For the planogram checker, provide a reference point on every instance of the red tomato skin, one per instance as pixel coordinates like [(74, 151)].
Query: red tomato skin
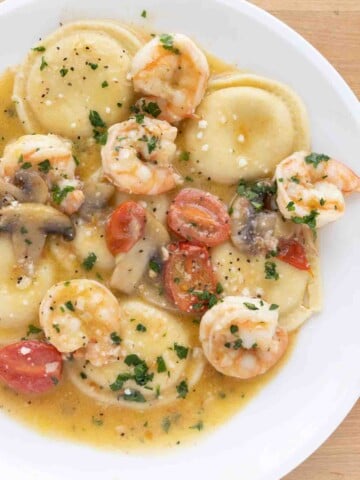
[(292, 252), (23, 366), (199, 217), (125, 227), (189, 255)]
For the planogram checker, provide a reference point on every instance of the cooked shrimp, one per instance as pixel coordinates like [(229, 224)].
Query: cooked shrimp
[(52, 157), (137, 156), (241, 337), (82, 317), (313, 185), (174, 72)]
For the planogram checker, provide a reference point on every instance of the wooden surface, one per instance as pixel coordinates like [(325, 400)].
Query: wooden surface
[(333, 27)]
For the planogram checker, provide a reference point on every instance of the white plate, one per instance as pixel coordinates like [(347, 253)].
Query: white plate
[(312, 394)]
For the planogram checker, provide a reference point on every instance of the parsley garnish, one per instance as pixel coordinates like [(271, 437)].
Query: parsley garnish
[(167, 42), (166, 424), (270, 271), (100, 137), (273, 306), (96, 120), (33, 330), (207, 298), (234, 329), (89, 261), (219, 288), (151, 144), (23, 230), (59, 194), (315, 158), (139, 118), (184, 156), (26, 165), (63, 71), (104, 84), (97, 421), (152, 108), (182, 389), (295, 179), (43, 64), (256, 193), (154, 266), (134, 396), (251, 306), (40, 48), (115, 338), (198, 426), (69, 305), (119, 382), (290, 206), (181, 351), (144, 13), (322, 201), (140, 327), (161, 365), (56, 327), (93, 66), (189, 179), (309, 220), (44, 166)]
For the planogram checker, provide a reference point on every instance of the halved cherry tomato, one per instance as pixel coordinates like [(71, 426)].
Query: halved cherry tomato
[(125, 227), (199, 217), (189, 277), (30, 366), (292, 252)]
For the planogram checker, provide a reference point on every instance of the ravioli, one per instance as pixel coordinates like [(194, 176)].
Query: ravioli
[(161, 341), (248, 125), (83, 66)]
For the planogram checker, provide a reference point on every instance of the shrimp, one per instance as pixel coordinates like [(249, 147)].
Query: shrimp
[(52, 157), (311, 186), (173, 72), (137, 156), (241, 337), (82, 316)]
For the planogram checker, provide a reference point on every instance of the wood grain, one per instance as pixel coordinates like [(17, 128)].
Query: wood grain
[(333, 27)]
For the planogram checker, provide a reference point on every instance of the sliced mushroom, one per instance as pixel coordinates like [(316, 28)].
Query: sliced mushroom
[(97, 197), (253, 232), (131, 266), (29, 224), (27, 186)]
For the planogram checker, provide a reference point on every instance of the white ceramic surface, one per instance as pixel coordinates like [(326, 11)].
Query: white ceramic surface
[(301, 407)]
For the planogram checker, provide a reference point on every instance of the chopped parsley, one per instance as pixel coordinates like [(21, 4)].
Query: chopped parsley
[(93, 66), (151, 144), (251, 306), (33, 330), (56, 327), (44, 166), (24, 230), (315, 158), (100, 137), (115, 338), (167, 42), (63, 72), (59, 194), (26, 165), (295, 179), (230, 210), (290, 206), (198, 426), (140, 327), (273, 306), (166, 424), (104, 84), (322, 201), (89, 261), (188, 179), (133, 396), (182, 389), (219, 288), (69, 305), (119, 382), (234, 329), (309, 220), (97, 421), (96, 120), (141, 375), (43, 64), (154, 266), (152, 108), (207, 299), (83, 375), (256, 193), (184, 156), (40, 48), (144, 13), (270, 271), (235, 345), (139, 118), (161, 365), (181, 351)]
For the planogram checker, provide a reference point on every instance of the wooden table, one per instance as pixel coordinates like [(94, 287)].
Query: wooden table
[(333, 27)]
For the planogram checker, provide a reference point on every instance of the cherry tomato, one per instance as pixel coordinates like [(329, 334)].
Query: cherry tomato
[(125, 227), (292, 252), (30, 366), (199, 217), (189, 277)]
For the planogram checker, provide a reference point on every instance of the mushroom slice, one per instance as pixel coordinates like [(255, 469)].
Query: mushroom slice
[(29, 224), (97, 197), (131, 266), (28, 186)]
